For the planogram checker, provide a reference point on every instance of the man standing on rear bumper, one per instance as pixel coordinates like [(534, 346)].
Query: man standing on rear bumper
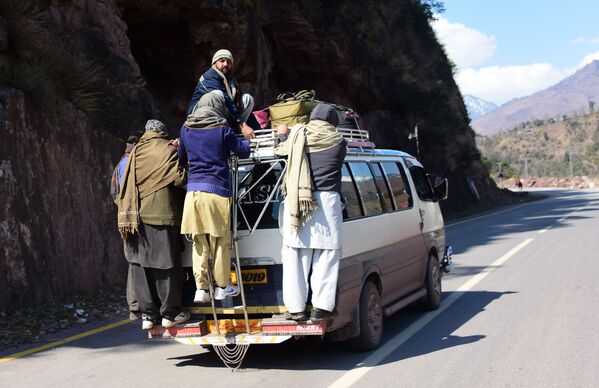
[(149, 220), (205, 144), (312, 214)]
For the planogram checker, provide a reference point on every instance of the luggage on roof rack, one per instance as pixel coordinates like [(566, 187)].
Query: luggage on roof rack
[(294, 108)]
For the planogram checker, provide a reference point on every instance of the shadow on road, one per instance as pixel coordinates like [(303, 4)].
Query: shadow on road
[(532, 216), (314, 354)]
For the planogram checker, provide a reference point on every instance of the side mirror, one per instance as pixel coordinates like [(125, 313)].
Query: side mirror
[(440, 187)]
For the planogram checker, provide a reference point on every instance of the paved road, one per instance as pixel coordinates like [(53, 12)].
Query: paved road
[(521, 308)]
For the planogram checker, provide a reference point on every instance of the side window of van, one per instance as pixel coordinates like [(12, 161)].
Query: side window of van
[(350, 195), (422, 184), (398, 183), (381, 184), (366, 188)]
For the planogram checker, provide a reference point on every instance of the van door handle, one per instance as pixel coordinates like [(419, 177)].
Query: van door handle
[(421, 219)]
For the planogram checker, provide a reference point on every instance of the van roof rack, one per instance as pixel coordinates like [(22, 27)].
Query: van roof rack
[(264, 144)]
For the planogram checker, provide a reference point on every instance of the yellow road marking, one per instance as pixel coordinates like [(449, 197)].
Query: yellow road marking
[(64, 341)]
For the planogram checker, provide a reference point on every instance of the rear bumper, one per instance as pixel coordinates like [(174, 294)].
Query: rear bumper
[(234, 331)]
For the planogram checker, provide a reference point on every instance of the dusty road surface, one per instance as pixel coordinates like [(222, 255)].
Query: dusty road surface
[(521, 308)]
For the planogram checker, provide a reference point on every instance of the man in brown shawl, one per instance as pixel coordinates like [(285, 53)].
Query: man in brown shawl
[(149, 219)]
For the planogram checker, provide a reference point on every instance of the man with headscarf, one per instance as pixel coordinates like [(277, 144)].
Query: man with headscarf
[(219, 79), (149, 216), (205, 144), (312, 213)]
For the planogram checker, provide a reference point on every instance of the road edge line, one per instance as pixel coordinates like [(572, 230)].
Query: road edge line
[(64, 341)]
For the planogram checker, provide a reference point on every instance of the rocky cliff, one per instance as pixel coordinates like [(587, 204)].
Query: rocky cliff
[(112, 64)]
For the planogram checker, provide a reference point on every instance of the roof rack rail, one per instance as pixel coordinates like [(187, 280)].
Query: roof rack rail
[(264, 143)]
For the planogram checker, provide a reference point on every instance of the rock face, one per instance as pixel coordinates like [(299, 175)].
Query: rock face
[(55, 213), (57, 225)]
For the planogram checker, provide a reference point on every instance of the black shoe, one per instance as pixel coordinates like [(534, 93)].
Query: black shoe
[(321, 315), (301, 316)]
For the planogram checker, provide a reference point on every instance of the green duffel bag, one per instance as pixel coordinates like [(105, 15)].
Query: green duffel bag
[(292, 108)]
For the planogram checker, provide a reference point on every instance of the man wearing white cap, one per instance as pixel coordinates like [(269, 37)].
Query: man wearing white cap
[(219, 79)]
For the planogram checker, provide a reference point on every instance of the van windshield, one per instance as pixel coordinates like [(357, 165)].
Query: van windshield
[(258, 184)]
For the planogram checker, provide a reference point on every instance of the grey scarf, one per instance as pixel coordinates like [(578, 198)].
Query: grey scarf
[(209, 112)]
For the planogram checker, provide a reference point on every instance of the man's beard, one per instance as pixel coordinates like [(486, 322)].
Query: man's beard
[(225, 70)]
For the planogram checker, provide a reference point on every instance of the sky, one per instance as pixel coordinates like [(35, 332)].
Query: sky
[(505, 49)]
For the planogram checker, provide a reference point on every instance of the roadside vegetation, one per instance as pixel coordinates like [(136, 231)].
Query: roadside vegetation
[(549, 148)]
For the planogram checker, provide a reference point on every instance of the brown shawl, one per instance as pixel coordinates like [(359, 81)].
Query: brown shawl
[(152, 165)]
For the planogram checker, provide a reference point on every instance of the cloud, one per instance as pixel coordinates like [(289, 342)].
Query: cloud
[(500, 84), (465, 46), (582, 39), (468, 48)]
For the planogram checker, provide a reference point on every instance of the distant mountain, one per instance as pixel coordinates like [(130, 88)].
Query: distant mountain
[(477, 106), (572, 95)]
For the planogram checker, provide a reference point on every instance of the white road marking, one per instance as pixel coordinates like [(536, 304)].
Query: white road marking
[(362, 368), (564, 218)]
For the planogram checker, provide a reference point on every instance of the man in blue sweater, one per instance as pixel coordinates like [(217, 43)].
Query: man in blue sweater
[(205, 143), (219, 79)]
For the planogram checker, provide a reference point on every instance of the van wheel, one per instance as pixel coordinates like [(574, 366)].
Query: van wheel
[(432, 300), (371, 319)]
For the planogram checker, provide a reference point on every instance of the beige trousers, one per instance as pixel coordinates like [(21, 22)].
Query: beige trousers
[(221, 270), (207, 217)]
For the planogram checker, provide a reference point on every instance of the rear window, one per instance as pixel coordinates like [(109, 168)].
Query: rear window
[(252, 204)]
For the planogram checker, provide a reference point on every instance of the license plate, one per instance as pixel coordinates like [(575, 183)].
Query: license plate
[(251, 276)]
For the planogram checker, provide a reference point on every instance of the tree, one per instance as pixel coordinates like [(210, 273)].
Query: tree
[(431, 7)]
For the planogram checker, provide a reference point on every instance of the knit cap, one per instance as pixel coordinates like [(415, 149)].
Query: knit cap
[(222, 53)]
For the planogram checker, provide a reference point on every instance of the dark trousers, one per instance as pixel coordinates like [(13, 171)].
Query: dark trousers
[(158, 291), (131, 297)]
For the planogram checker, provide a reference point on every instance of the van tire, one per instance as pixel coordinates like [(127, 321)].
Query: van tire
[(432, 300), (371, 319)]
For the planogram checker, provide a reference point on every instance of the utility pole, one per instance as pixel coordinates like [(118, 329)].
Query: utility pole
[(500, 175), (414, 135), (570, 162), (525, 160)]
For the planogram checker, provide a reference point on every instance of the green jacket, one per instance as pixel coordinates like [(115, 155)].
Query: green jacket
[(165, 206)]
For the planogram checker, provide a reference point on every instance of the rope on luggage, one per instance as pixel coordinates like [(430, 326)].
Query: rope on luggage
[(233, 356)]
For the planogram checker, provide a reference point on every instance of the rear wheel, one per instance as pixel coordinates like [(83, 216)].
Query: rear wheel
[(371, 319), (432, 300)]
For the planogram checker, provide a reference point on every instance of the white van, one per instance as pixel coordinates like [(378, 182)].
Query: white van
[(393, 250)]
